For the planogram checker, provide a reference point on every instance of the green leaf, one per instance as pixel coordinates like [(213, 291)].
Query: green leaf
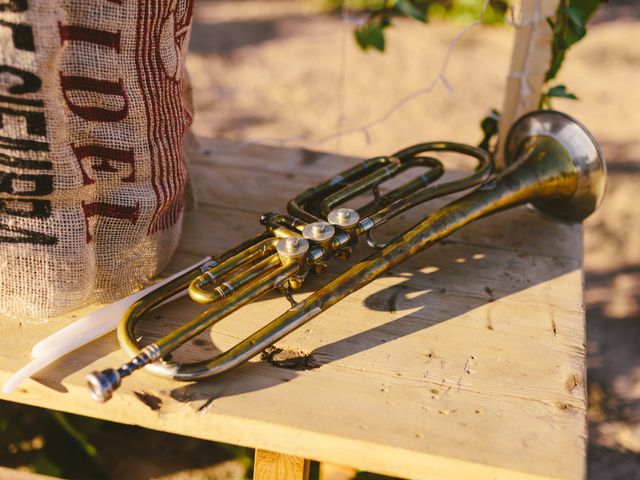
[(586, 8), (407, 8), (578, 24), (560, 91), (568, 27), (371, 36), (554, 68)]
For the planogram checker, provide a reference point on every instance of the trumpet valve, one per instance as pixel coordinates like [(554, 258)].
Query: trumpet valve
[(345, 218), (292, 249), (320, 233)]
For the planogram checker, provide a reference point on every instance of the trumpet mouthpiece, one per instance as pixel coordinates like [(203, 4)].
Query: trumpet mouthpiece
[(102, 384)]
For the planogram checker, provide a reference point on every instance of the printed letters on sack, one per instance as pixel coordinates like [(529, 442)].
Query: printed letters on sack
[(73, 87), (25, 115)]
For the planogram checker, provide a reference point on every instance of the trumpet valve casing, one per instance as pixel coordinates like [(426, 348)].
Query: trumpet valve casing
[(347, 220), (294, 249)]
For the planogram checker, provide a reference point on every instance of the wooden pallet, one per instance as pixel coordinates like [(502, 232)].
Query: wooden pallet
[(467, 361)]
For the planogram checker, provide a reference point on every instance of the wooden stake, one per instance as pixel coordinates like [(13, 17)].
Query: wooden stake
[(529, 64)]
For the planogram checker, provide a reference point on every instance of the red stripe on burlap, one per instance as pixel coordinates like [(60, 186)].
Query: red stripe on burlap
[(167, 119)]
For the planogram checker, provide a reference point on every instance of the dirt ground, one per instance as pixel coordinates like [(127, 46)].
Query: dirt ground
[(280, 72)]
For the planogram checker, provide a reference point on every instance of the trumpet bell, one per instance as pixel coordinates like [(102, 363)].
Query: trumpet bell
[(573, 140)]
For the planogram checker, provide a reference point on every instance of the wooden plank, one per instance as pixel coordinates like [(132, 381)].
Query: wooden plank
[(530, 61), (218, 152), (278, 466), (468, 360), (10, 474), (328, 471)]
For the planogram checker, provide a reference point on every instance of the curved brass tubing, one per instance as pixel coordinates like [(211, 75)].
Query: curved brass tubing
[(554, 164), (204, 288)]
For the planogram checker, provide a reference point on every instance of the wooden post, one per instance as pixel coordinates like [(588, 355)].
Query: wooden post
[(529, 63), (278, 466)]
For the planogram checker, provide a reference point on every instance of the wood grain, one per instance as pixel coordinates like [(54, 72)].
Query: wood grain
[(278, 466), (467, 361)]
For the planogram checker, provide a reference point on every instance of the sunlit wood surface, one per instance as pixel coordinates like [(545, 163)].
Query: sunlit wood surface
[(277, 466), (467, 361)]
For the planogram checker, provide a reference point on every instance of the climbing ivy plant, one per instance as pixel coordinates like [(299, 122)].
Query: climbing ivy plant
[(370, 35), (569, 27)]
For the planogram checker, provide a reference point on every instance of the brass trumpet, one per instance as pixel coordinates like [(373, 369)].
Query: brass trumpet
[(553, 163)]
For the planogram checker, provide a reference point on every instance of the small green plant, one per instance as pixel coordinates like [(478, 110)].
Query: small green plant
[(371, 34), (380, 13), (569, 27), (559, 91)]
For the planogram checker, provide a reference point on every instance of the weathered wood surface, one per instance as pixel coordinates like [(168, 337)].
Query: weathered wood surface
[(467, 361)]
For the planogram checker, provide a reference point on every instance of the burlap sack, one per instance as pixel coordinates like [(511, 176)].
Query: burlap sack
[(92, 169)]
